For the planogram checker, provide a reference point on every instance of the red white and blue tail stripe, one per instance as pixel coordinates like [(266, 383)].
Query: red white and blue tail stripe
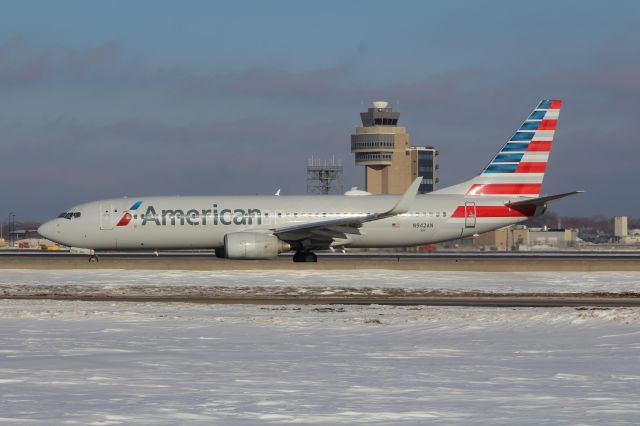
[(518, 169)]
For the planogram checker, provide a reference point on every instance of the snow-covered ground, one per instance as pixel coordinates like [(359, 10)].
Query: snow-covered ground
[(134, 363), (107, 363), (501, 282)]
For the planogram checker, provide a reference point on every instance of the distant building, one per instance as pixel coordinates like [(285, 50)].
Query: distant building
[(620, 227), (391, 163), (633, 237), (621, 233), (519, 237), (423, 163), (504, 239), (552, 238)]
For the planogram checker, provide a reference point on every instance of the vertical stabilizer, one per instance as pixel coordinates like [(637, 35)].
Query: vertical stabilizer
[(518, 169)]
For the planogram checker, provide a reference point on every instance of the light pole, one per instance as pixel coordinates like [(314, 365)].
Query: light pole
[(9, 226), (12, 221)]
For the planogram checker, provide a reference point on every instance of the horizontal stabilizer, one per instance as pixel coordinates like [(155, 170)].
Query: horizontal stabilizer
[(541, 200)]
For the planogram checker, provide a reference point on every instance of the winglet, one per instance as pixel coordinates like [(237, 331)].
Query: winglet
[(407, 199)]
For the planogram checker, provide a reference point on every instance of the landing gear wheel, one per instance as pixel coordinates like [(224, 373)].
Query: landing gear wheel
[(305, 256), (93, 258)]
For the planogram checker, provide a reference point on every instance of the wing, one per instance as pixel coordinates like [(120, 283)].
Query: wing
[(327, 231)]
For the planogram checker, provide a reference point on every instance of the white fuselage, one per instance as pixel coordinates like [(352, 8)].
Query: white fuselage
[(202, 222)]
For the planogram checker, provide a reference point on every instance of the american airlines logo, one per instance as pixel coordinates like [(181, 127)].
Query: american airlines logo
[(203, 217), (213, 216), (126, 217)]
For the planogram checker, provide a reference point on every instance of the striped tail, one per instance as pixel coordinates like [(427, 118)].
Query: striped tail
[(518, 169)]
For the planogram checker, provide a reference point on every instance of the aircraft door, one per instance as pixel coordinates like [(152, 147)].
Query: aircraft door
[(106, 216), (470, 214)]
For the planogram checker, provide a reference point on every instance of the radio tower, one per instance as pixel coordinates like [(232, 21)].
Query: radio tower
[(324, 176)]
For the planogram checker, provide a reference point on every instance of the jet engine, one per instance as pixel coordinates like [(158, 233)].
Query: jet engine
[(253, 245)]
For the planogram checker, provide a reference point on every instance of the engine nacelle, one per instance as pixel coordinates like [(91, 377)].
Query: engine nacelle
[(253, 245)]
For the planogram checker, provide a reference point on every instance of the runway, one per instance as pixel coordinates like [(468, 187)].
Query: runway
[(205, 261), (493, 300)]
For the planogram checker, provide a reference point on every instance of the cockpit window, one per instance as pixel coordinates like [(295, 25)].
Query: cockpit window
[(69, 215)]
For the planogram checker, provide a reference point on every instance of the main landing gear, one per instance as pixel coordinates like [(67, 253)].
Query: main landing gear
[(305, 256), (93, 257)]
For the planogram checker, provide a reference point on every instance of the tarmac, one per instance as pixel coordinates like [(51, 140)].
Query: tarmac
[(486, 300), (449, 262)]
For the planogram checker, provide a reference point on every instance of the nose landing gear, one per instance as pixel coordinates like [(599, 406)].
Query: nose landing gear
[(305, 256)]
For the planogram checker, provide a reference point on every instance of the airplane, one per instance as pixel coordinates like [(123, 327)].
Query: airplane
[(507, 191)]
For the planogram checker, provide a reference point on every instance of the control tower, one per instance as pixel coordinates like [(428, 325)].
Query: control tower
[(391, 163)]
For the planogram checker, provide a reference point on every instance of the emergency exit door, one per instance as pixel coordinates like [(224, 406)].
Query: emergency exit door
[(470, 214), (106, 216)]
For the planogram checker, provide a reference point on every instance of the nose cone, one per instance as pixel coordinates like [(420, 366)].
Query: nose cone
[(47, 230)]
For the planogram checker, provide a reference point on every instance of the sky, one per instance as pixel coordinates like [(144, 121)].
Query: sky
[(121, 98)]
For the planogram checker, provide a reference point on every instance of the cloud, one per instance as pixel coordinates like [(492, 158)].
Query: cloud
[(150, 129), (106, 54), (16, 69), (64, 162)]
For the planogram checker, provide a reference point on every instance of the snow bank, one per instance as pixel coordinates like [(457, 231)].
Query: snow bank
[(437, 280)]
